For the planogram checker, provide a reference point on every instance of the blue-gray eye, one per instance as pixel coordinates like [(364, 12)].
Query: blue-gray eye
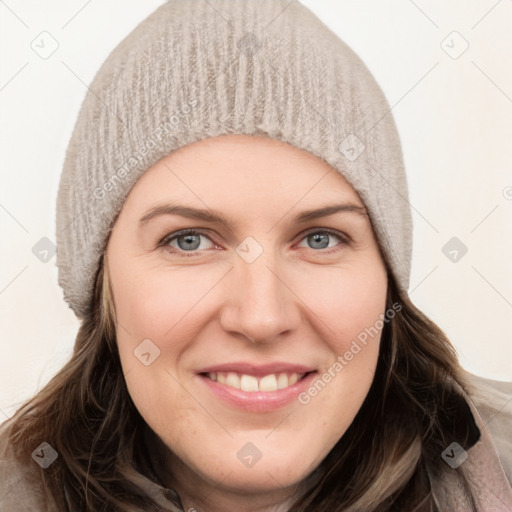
[(190, 240), (320, 239), (186, 240)]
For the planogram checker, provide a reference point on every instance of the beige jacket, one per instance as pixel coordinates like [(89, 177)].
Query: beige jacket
[(489, 462)]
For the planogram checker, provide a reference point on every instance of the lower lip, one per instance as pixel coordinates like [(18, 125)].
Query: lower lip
[(258, 401)]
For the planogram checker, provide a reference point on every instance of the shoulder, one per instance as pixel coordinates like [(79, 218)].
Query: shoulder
[(493, 401), (21, 486)]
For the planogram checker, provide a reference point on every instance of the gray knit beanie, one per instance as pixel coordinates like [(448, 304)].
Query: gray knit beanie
[(200, 68)]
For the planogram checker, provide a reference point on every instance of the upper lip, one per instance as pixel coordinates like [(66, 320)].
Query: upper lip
[(256, 369)]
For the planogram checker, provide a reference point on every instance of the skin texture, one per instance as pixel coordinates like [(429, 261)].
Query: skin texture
[(297, 302)]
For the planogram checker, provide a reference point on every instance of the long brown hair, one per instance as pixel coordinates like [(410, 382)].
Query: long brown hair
[(381, 463)]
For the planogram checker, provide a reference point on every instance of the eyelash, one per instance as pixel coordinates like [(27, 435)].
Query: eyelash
[(344, 240)]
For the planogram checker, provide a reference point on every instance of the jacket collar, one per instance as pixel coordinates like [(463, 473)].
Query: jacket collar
[(481, 464)]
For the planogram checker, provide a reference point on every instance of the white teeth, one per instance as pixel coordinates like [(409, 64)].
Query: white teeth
[(268, 383), (282, 381), (233, 380), (250, 383)]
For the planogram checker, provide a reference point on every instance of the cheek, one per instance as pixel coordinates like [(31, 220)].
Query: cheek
[(348, 302), (165, 308), (152, 314), (154, 302), (350, 307)]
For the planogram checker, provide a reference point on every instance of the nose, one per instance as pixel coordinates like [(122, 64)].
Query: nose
[(260, 303)]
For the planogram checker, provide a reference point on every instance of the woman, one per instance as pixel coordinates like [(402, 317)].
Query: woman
[(233, 233)]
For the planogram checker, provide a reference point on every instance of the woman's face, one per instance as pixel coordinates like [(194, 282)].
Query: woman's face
[(249, 345)]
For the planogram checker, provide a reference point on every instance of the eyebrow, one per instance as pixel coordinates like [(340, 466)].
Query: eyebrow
[(216, 217)]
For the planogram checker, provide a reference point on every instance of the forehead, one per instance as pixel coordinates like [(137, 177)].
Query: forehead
[(255, 166)]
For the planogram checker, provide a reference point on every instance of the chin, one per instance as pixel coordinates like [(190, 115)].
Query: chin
[(264, 480), (274, 474)]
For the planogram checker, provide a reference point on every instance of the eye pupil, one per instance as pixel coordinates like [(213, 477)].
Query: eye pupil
[(189, 241), (317, 237)]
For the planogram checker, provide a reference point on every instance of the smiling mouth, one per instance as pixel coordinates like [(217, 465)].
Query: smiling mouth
[(251, 383)]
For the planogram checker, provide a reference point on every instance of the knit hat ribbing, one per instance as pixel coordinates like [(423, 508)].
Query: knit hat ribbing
[(195, 69)]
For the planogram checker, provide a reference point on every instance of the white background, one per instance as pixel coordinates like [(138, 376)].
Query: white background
[(454, 117)]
